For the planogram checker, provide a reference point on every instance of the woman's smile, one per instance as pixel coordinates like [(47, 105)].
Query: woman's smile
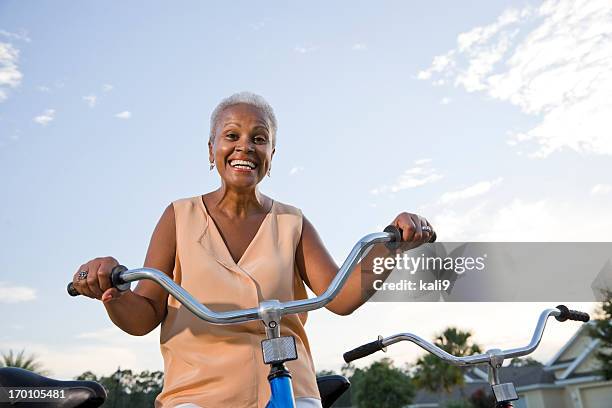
[(243, 166)]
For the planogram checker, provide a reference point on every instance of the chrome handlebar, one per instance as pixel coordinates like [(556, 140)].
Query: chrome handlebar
[(269, 309), (477, 358), (493, 357)]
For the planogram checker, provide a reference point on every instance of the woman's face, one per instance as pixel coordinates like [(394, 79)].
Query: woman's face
[(242, 148)]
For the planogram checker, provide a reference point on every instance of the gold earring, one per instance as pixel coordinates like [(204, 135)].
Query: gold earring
[(212, 165)]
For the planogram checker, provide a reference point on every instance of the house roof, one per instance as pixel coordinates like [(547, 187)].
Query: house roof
[(557, 358), (425, 397)]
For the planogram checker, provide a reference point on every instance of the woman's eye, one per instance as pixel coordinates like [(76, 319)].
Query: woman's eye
[(231, 136), (260, 139)]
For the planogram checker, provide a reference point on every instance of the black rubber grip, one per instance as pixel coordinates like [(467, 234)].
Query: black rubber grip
[(363, 351), (71, 290), (392, 229), (116, 281), (397, 237), (567, 314)]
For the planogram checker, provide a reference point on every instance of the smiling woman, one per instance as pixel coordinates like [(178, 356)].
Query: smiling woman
[(231, 248)]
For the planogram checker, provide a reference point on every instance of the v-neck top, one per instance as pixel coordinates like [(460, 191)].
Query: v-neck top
[(214, 225), (222, 365)]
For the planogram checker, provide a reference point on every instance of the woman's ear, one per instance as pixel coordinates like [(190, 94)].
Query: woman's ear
[(211, 153)]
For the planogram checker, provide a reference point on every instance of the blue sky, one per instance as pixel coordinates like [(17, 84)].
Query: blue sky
[(492, 119)]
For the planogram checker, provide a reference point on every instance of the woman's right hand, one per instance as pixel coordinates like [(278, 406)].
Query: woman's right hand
[(97, 284)]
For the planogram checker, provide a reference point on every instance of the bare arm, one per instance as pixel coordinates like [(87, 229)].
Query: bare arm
[(318, 268), (140, 311)]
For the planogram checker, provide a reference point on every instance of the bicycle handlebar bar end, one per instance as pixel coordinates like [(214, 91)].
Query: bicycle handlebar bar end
[(567, 314), (365, 350), (117, 281), (72, 290), (397, 240), (433, 238)]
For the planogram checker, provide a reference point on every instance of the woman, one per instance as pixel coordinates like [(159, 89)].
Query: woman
[(231, 248)]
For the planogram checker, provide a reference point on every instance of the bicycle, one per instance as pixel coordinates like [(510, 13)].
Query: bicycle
[(504, 393), (276, 349)]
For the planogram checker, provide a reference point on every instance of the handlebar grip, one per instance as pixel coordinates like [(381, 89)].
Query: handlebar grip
[(72, 290), (433, 237), (365, 350), (397, 237), (116, 281), (567, 314), (397, 233)]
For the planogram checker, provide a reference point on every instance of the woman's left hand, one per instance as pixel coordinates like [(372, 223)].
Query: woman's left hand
[(415, 229)]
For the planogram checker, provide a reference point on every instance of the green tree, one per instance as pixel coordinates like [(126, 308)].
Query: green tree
[(435, 375), (602, 330), (22, 360), (381, 385), (127, 389)]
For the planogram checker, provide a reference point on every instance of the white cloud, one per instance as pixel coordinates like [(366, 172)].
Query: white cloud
[(304, 49), (43, 88), (523, 221), (439, 64), (413, 177), (445, 101), (10, 76), (601, 189), (295, 170), (90, 100), (359, 47), (124, 115), (16, 294), (107, 87), (472, 191), (552, 62), (100, 351), (21, 36), (421, 162), (46, 117)]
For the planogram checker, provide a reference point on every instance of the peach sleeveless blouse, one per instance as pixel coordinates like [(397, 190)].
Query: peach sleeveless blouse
[(222, 365)]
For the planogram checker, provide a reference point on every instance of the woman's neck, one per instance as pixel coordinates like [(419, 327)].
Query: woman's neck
[(239, 204)]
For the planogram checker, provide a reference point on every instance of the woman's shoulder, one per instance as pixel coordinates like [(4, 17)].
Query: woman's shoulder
[(189, 204), (284, 208), (187, 200)]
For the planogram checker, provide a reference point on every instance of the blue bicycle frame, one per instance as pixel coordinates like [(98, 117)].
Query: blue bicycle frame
[(282, 390)]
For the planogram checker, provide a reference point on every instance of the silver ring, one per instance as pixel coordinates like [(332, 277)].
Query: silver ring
[(426, 228), (82, 275)]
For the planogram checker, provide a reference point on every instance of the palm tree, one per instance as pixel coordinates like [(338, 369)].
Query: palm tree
[(21, 360), (436, 375)]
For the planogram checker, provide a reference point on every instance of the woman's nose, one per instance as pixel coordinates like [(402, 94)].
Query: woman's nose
[(246, 147)]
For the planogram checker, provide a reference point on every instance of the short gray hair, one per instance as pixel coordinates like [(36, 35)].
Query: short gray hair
[(247, 98)]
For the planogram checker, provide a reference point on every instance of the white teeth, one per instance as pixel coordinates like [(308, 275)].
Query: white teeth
[(243, 164)]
